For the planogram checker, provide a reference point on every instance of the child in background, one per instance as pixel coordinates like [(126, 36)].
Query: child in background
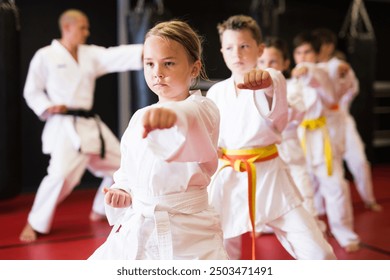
[(325, 166), (254, 188), (159, 201), (276, 55), (354, 150)]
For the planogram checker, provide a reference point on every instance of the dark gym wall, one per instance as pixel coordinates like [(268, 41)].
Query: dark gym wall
[(299, 15), (39, 27), (303, 15), (10, 121)]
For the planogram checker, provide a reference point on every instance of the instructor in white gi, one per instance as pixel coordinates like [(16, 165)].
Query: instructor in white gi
[(60, 89)]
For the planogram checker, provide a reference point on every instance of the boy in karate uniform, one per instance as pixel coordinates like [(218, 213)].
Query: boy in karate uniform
[(253, 187)]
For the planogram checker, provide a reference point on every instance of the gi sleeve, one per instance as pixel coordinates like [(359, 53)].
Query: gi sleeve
[(120, 176), (352, 91), (120, 182), (194, 138), (320, 80), (117, 59), (277, 93), (35, 86)]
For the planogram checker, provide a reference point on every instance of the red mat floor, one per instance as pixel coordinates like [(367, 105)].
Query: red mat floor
[(74, 237)]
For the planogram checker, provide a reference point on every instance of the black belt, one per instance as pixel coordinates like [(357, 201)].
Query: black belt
[(80, 113), (89, 114)]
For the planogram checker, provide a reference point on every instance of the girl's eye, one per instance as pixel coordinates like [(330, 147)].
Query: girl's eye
[(169, 63)]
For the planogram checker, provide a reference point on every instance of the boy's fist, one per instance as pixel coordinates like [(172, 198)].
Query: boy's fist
[(256, 79)]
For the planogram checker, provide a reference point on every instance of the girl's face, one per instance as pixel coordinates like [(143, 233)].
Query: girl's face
[(240, 51), (167, 69), (273, 58), (305, 53)]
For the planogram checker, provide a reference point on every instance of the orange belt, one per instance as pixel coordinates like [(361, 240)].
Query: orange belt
[(314, 124), (243, 160)]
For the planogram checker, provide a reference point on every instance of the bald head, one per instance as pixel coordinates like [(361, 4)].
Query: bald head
[(69, 17), (74, 28)]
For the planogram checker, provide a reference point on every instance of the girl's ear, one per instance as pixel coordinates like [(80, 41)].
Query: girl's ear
[(196, 69)]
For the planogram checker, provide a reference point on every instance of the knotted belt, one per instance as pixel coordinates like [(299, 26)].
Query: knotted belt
[(314, 124), (89, 114), (159, 208), (243, 160)]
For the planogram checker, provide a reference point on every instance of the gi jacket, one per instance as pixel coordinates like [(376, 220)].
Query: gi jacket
[(56, 78)]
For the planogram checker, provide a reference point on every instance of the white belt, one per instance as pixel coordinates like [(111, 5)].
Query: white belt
[(159, 208)]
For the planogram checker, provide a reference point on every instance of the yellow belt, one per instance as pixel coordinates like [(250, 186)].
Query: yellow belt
[(243, 160), (319, 123)]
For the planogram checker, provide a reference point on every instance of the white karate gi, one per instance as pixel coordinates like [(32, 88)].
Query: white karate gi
[(354, 154), (248, 122), (335, 118), (55, 78), (290, 149), (319, 94), (167, 174)]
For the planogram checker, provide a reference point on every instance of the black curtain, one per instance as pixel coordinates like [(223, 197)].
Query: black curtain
[(359, 43), (362, 57), (10, 102)]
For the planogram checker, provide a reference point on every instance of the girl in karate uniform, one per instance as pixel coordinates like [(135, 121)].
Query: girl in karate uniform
[(158, 205)]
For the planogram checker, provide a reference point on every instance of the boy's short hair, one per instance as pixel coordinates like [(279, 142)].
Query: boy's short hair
[(282, 46), (306, 37), (279, 44), (240, 22), (325, 35)]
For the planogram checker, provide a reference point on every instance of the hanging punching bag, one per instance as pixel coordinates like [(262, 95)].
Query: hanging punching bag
[(359, 43), (10, 102), (266, 13), (143, 16)]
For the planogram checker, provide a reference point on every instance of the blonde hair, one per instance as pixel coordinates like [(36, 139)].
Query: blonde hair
[(182, 33), (70, 16)]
